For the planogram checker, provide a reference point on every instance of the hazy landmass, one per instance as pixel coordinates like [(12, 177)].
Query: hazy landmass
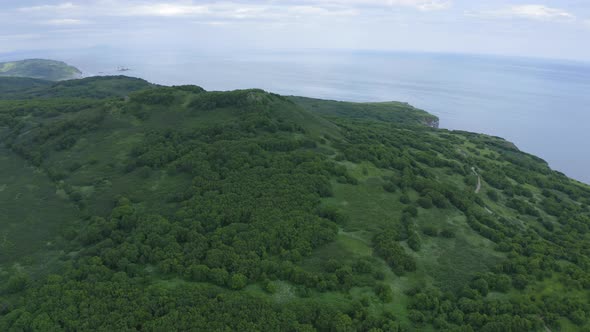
[(131, 206), (39, 68)]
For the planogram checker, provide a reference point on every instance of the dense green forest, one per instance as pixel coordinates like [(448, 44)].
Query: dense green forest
[(39, 69), (130, 206)]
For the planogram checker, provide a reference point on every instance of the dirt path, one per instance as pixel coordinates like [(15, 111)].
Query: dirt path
[(352, 236), (478, 187)]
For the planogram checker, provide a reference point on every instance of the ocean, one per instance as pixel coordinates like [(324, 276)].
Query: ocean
[(543, 106)]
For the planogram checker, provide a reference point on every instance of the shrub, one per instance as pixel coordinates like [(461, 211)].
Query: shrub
[(447, 233), (429, 230)]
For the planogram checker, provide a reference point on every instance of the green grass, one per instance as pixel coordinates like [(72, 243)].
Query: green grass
[(32, 214), (395, 112), (368, 206), (445, 263)]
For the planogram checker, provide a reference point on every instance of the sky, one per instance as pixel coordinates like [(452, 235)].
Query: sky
[(535, 28)]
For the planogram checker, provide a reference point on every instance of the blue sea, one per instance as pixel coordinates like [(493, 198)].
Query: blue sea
[(543, 106)]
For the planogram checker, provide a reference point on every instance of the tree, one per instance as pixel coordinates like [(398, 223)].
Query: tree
[(481, 286), (416, 316), (218, 276), (502, 283), (199, 272), (429, 230), (342, 323), (238, 281), (384, 292), (415, 242), (16, 283), (43, 322), (493, 195), (404, 198), (425, 202), (411, 210), (447, 233), (519, 281)]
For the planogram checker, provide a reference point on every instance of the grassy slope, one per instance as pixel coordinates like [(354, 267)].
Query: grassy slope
[(92, 165), (32, 212), (395, 112), (11, 87), (17, 88)]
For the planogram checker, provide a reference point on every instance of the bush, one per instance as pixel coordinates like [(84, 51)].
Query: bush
[(16, 283), (384, 292), (415, 242), (199, 272), (447, 233), (425, 202), (390, 187), (238, 281), (144, 172), (269, 287), (405, 199), (411, 210), (416, 316), (429, 230), (493, 195)]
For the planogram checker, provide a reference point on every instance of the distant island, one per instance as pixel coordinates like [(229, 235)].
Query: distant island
[(39, 68)]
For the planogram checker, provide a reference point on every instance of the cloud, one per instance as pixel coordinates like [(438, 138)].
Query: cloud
[(530, 11), (64, 21), (236, 9), (425, 5), (45, 8), (540, 12), (167, 9)]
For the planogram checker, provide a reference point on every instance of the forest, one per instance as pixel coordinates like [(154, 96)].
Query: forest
[(131, 206)]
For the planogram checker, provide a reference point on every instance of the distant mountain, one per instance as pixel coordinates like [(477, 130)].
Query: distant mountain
[(39, 68)]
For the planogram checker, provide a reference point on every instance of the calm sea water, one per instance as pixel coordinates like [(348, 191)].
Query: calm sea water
[(543, 106)]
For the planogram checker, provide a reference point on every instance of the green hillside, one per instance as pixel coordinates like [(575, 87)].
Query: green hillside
[(130, 206), (98, 87), (39, 68), (399, 113)]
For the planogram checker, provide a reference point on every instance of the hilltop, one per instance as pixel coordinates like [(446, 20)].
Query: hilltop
[(39, 68), (132, 206)]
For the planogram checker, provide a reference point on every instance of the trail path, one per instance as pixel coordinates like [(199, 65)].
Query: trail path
[(478, 187), (352, 235)]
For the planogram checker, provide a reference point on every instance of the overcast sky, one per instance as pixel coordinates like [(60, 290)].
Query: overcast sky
[(556, 29)]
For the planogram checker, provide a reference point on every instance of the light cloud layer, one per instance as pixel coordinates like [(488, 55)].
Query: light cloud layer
[(529, 11), (166, 9), (541, 27), (63, 21), (425, 5), (232, 9), (45, 8), (188, 9)]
